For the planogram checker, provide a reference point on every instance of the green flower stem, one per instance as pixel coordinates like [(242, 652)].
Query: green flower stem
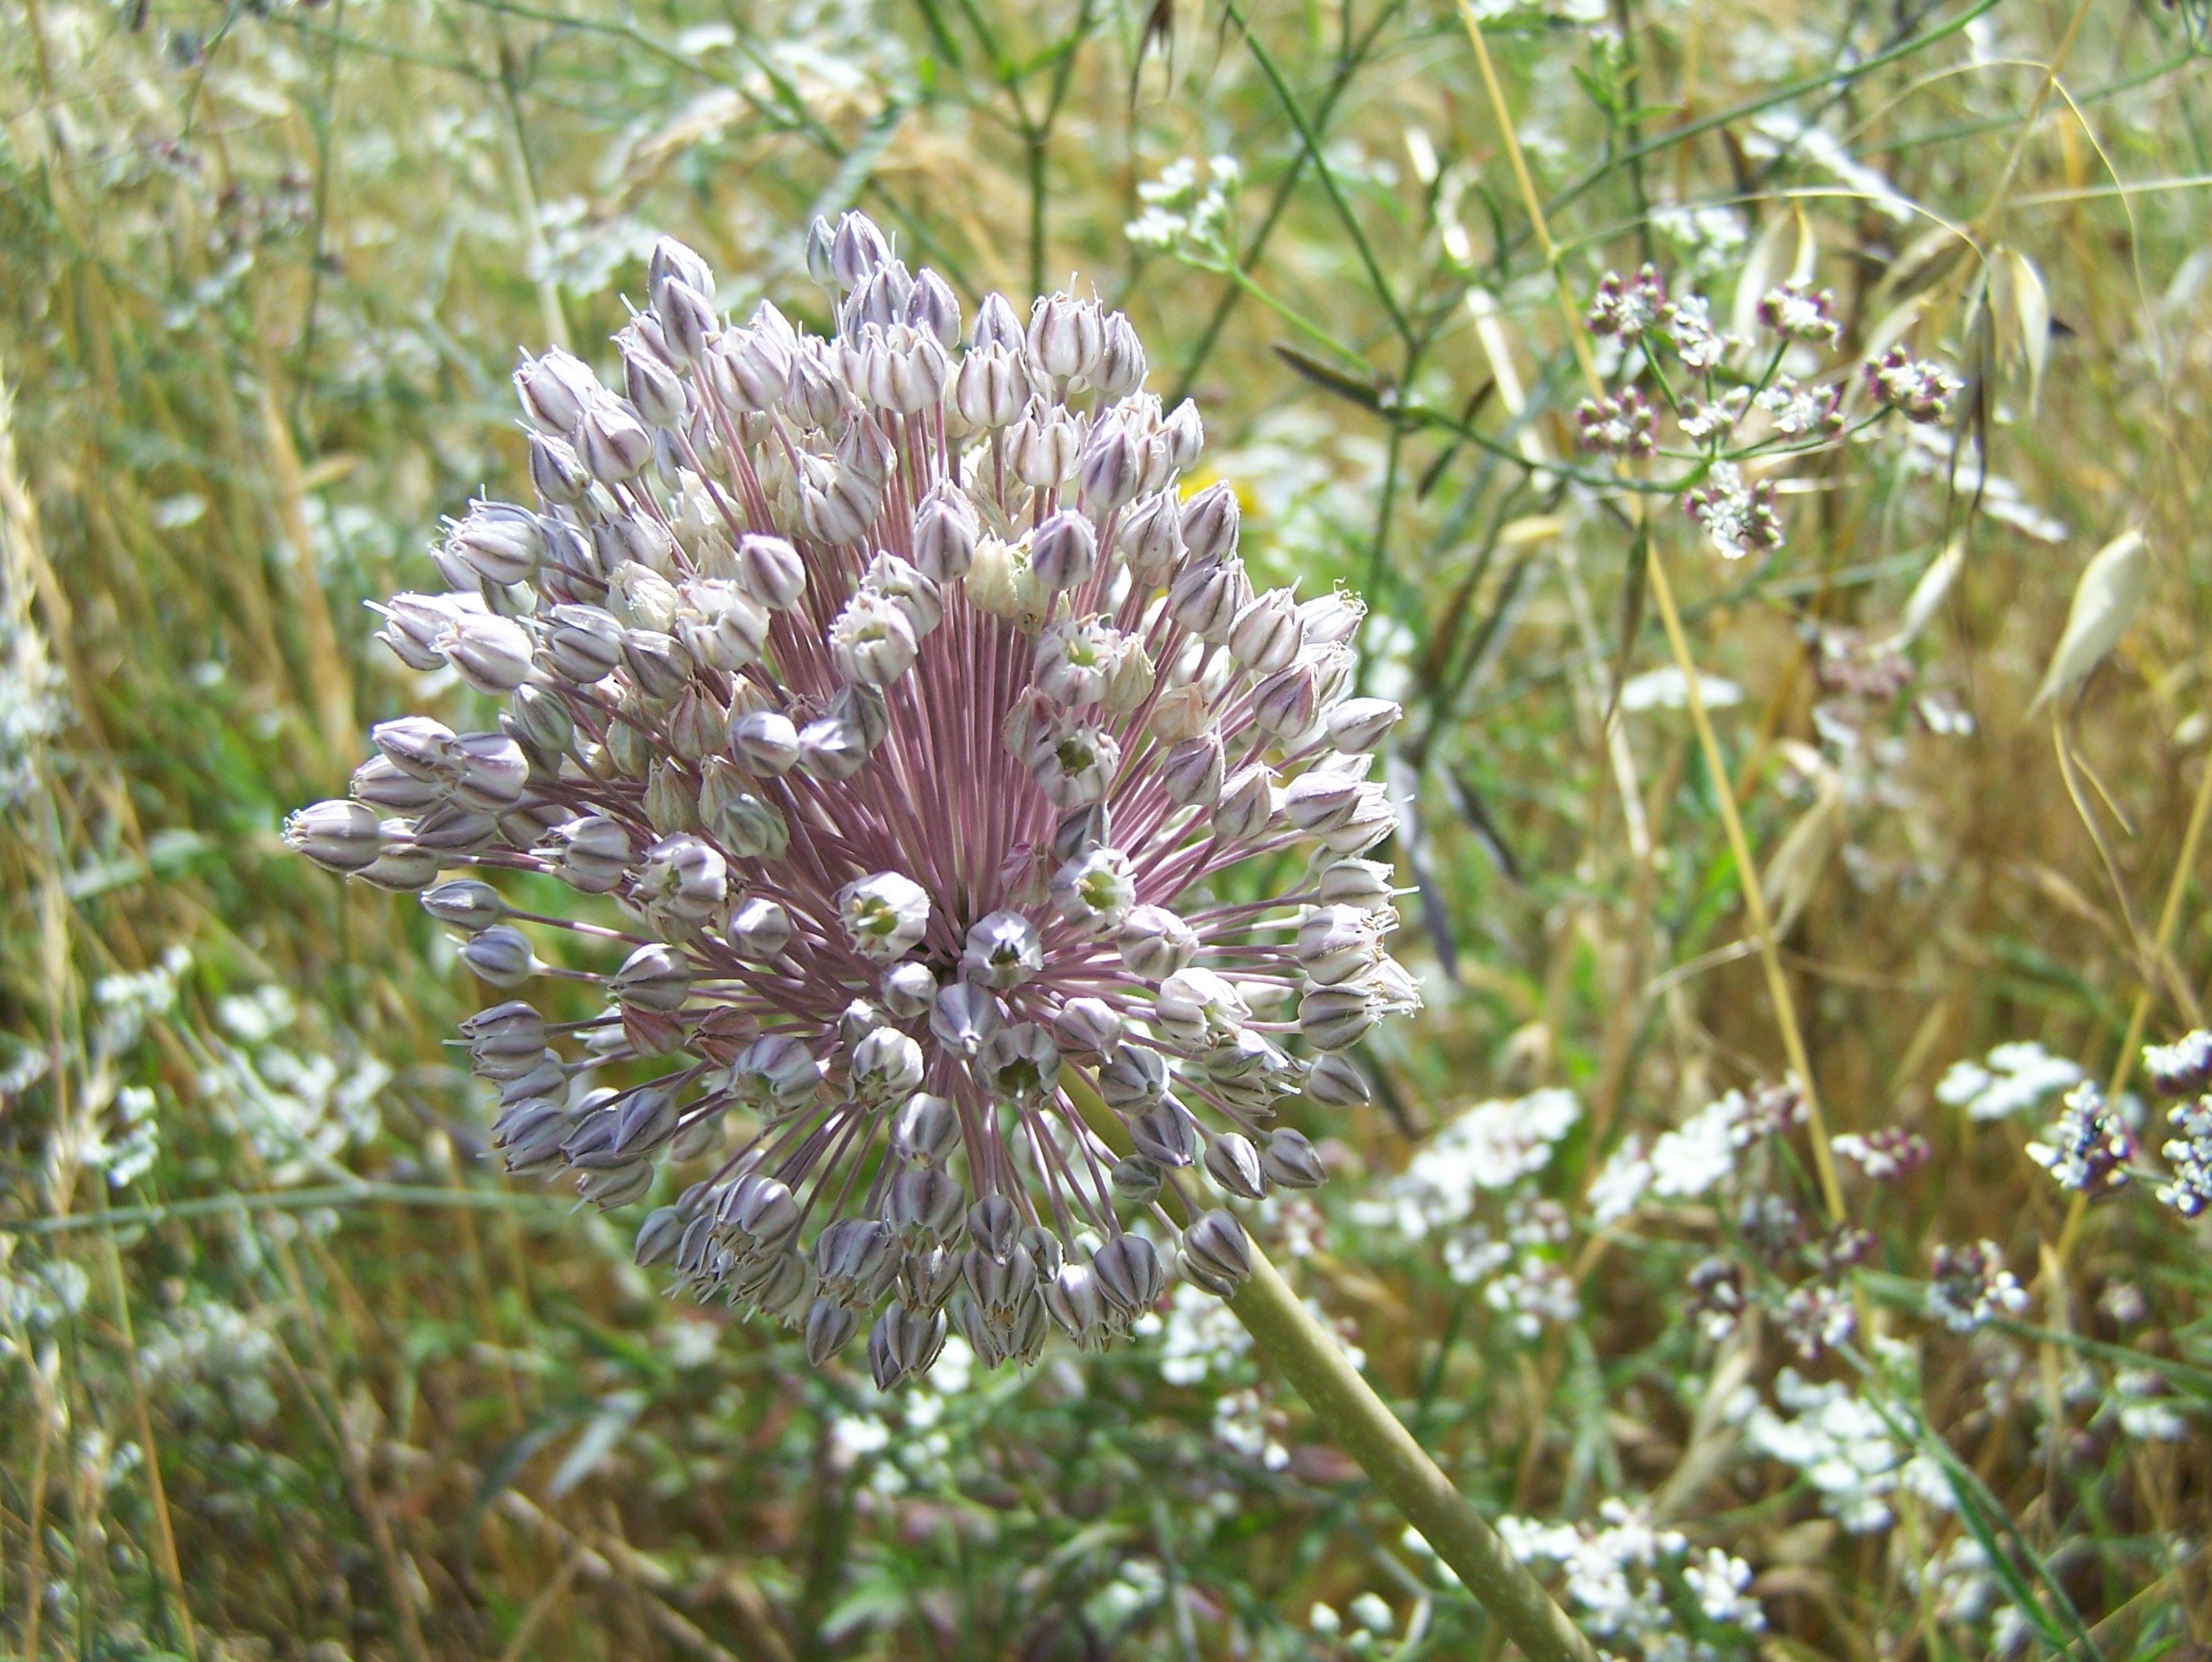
[(1362, 1424)]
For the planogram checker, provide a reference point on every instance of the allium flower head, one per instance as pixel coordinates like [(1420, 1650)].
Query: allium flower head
[(915, 714)]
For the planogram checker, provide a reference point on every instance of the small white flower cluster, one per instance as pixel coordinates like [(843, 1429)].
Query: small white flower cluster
[(1615, 1580), (2011, 1079), (301, 1105), (1493, 1152), (1970, 1286), (1693, 1160), (1489, 1147), (1187, 206), (1843, 1446), (212, 1360)]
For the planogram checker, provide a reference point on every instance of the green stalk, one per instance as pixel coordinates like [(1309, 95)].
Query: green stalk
[(1362, 1426)]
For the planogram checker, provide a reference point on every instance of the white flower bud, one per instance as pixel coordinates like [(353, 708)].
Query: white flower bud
[(908, 990), (1128, 1273), (652, 387), (581, 644), (1338, 942), (1064, 551), (553, 391), (1040, 448), (1095, 889), (1150, 535), (759, 929), (1332, 619), (1290, 1160), (1210, 523), (1108, 472), (770, 570), (1197, 1007), (499, 543), (1074, 762), (990, 390), (857, 250), (1065, 336), (590, 852), (557, 472), (613, 444), (1246, 804), (1121, 367), (1372, 820), (1132, 1076), (746, 823), (1018, 1063), (464, 903), (412, 624), (1321, 799), (1335, 1082), (927, 1132), (1075, 657), (1333, 1017), (653, 978), (765, 741), (720, 624), (964, 1015), (872, 640), (1002, 950), (887, 1067), (491, 654), (906, 587), (1359, 723), (338, 836), (1206, 598), (1090, 1026), (1288, 703), (775, 1071), (884, 915), (944, 532), (1155, 943), (642, 595), (500, 955), (1268, 634)]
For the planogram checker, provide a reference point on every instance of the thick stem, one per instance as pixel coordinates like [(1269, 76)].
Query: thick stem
[(1362, 1424)]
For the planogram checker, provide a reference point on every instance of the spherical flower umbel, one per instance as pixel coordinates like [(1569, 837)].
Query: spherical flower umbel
[(917, 717)]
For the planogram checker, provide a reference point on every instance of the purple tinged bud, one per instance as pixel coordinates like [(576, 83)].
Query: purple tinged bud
[(464, 903), (338, 836), (1151, 536), (1290, 1160), (500, 954), (381, 784), (1288, 703), (1108, 471), (1088, 1026), (687, 320), (657, 1236), (964, 1016), (1120, 367), (672, 261), (1206, 598), (766, 742), (1209, 523), (1232, 1161), (498, 542), (945, 533), (759, 929), (1247, 804), (1335, 1082), (491, 654), (1267, 633), (1134, 1076), (1216, 1252), (613, 443), (1163, 1133), (582, 644), (652, 387), (770, 570), (1333, 1018), (829, 1328), (590, 852), (1155, 943), (553, 391), (856, 250), (1065, 336), (1128, 1273), (1193, 772), (1002, 950), (557, 472), (1359, 725)]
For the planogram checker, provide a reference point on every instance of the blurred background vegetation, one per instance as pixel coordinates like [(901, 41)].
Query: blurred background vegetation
[(289, 1371)]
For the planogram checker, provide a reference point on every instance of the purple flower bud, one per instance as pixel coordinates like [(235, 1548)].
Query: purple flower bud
[(553, 391), (1209, 523)]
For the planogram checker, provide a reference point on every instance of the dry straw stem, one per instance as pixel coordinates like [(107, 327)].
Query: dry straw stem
[(1362, 1424), (1754, 901)]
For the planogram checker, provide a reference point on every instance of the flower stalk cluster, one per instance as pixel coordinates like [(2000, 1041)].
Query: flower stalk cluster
[(915, 715)]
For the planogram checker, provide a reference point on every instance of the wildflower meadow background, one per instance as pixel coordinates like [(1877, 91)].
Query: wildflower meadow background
[(1769, 442)]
